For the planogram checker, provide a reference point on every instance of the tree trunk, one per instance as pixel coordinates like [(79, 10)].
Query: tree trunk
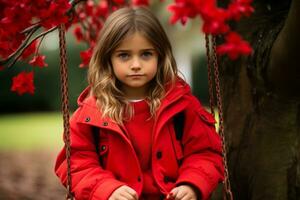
[(262, 124)]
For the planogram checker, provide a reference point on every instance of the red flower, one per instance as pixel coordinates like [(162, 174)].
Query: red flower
[(234, 46), (182, 10), (23, 83), (78, 33), (55, 14), (119, 2), (140, 2), (5, 50), (38, 61), (102, 9), (1, 68), (239, 8), (89, 7), (86, 57), (214, 19)]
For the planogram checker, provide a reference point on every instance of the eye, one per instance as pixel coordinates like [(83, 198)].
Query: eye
[(123, 56), (147, 54)]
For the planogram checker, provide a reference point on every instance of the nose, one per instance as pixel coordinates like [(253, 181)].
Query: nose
[(136, 64)]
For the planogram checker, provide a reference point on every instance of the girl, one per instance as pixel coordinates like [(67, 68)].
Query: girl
[(133, 97)]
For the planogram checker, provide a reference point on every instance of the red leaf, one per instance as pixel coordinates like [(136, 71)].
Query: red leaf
[(78, 33), (29, 50), (23, 83), (102, 9), (89, 8), (240, 8), (119, 2), (55, 13), (140, 2), (234, 46), (85, 57), (214, 20), (38, 61), (182, 10)]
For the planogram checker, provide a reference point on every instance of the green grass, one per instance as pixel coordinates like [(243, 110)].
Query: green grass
[(31, 131)]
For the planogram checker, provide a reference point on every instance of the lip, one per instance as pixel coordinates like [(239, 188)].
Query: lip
[(135, 75)]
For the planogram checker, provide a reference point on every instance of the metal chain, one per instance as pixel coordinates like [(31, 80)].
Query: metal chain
[(65, 105), (227, 195)]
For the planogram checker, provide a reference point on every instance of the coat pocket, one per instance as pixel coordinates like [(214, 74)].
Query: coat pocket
[(206, 117)]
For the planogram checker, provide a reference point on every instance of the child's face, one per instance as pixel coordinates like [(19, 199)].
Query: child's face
[(134, 64)]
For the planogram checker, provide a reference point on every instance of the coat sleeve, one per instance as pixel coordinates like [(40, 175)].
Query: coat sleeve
[(89, 180), (202, 164)]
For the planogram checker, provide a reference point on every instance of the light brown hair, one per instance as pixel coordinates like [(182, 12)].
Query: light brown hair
[(104, 85)]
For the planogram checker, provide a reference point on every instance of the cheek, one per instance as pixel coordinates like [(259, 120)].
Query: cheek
[(117, 67), (154, 68), (156, 65)]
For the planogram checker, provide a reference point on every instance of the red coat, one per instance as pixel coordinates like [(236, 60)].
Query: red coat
[(199, 152)]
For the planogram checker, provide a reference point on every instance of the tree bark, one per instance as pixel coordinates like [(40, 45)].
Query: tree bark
[(262, 105), (284, 68)]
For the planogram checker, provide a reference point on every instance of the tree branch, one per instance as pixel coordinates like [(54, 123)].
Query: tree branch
[(38, 24), (38, 36), (25, 45), (21, 47), (30, 31), (34, 26)]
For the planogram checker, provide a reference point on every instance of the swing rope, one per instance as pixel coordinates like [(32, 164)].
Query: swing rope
[(210, 84), (65, 104), (212, 62)]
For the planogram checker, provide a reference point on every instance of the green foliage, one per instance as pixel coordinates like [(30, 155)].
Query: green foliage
[(199, 78)]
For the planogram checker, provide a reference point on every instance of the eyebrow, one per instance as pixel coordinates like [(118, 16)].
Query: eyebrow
[(127, 50)]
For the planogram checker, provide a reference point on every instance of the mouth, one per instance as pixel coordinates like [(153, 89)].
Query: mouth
[(135, 75)]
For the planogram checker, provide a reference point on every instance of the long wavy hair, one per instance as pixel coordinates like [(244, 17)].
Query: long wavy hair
[(104, 84)]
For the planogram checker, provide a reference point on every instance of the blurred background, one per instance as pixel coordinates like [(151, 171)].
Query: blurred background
[(31, 126)]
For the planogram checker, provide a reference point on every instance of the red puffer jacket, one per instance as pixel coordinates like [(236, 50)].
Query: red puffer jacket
[(196, 159)]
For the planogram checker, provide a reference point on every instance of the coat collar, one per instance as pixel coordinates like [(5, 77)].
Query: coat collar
[(91, 115)]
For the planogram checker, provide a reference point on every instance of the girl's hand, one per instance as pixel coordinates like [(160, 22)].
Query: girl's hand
[(183, 192), (124, 193)]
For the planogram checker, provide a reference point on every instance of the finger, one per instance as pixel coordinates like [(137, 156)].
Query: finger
[(117, 197), (132, 192), (188, 197), (180, 194), (121, 198), (127, 195), (172, 193), (170, 196)]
